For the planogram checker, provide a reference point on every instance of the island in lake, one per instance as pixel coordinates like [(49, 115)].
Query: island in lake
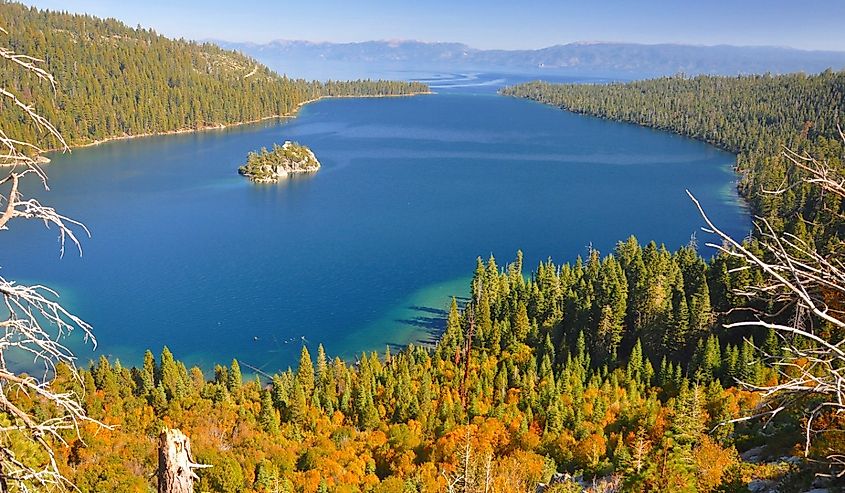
[(273, 165)]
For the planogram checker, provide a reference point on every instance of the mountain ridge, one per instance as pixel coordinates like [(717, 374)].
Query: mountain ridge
[(578, 58)]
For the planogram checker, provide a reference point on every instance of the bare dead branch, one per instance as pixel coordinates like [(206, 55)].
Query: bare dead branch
[(32, 321), (809, 286)]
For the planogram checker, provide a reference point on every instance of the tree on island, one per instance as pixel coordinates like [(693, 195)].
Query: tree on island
[(272, 165)]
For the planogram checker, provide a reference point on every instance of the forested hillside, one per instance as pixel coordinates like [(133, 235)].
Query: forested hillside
[(756, 117), (609, 367), (113, 80), (616, 369)]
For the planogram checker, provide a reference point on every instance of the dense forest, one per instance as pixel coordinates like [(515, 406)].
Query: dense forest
[(611, 369), (615, 369), (113, 80), (755, 116)]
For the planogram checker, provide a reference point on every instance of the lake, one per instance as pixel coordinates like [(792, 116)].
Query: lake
[(367, 252)]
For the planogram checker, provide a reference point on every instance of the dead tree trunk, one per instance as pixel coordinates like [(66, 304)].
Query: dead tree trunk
[(175, 464)]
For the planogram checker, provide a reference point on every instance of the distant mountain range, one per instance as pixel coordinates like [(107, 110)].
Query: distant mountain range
[(595, 59)]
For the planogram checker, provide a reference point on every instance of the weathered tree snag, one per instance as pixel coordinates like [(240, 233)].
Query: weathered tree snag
[(175, 464)]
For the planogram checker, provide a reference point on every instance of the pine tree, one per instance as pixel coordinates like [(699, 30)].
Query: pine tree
[(608, 335), (266, 476), (581, 347), (746, 369), (453, 335), (221, 375), (305, 372), (521, 326), (648, 372), (484, 324), (635, 362), (677, 331), (323, 379), (689, 418), (158, 399), (365, 408), (297, 408), (147, 375), (712, 357), (664, 376), (771, 345), (730, 364), (169, 377), (104, 377), (267, 417), (699, 307), (235, 378)]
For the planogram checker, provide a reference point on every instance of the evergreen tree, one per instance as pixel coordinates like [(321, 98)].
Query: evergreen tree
[(169, 377), (453, 335), (521, 326), (267, 417), (365, 408), (235, 379), (305, 372), (746, 368), (689, 419), (635, 362), (297, 408), (147, 374), (266, 476)]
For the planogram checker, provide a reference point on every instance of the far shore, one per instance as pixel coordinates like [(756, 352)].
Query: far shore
[(44, 160)]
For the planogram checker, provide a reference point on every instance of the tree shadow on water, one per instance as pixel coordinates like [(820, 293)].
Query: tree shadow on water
[(430, 321)]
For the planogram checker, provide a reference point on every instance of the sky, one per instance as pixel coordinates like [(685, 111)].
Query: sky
[(512, 24)]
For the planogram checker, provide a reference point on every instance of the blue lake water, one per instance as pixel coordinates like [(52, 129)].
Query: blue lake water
[(365, 253)]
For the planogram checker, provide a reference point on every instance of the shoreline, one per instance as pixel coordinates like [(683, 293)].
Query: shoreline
[(42, 159)]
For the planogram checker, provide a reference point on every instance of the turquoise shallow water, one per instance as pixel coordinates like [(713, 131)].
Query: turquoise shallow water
[(365, 253)]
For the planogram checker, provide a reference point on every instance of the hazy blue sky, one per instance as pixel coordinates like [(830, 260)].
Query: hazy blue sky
[(811, 24)]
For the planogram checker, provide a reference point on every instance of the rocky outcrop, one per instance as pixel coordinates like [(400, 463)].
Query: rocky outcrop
[(274, 165)]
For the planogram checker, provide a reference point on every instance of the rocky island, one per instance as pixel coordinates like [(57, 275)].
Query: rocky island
[(271, 166)]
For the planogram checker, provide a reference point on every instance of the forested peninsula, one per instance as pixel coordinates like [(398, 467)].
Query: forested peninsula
[(754, 116), (113, 81)]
